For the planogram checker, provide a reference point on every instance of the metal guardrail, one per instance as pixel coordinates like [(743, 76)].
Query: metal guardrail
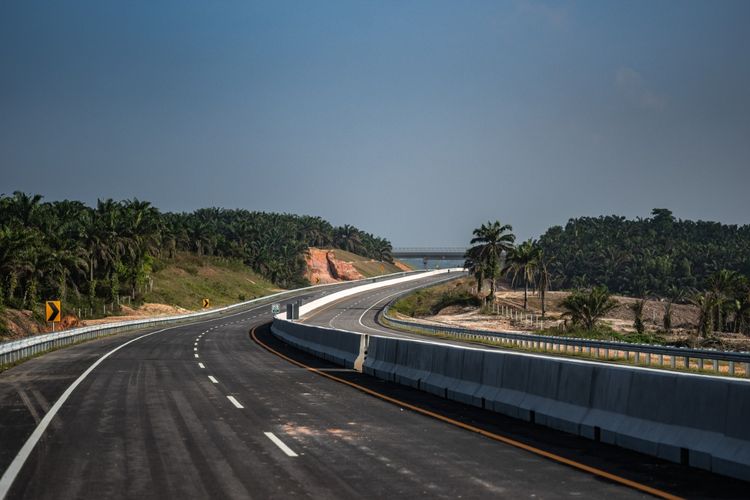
[(726, 362), (16, 350)]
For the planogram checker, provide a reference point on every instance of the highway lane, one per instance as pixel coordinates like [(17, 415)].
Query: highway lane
[(29, 390), (153, 420), (359, 313)]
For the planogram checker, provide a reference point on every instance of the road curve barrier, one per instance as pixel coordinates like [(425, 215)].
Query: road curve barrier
[(697, 420), (17, 350)]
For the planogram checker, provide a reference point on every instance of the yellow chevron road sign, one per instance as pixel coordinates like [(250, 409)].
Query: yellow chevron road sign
[(52, 311)]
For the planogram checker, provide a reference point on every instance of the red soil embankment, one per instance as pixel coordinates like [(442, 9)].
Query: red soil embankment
[(324, 267)]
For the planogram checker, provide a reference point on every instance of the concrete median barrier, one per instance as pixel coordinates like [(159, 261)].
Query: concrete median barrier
[(338, 347), (694, 419)]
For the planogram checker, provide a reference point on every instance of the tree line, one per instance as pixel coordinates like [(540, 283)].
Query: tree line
[(70, 251), (706, 264)]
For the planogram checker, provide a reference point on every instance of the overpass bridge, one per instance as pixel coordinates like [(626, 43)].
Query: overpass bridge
[(445, 253)]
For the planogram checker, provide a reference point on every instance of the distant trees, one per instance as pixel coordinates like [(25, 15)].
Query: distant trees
[(724, 305), (645, 254), (68, 250), (673, 259)]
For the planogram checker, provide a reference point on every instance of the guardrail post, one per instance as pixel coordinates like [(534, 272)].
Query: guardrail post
[(747, 370), (716, 365)]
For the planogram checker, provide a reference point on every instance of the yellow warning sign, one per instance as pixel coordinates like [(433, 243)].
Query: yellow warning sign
[(52, 311), (206, 303)]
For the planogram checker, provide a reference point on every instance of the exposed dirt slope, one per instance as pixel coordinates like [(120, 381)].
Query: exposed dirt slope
[(325, 265)]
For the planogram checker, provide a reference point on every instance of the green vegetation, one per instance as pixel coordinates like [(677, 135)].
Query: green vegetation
[(707, 262), (629, 256), (185, 280), (90, 256), (430, 301), (486, 258), (586, 307)]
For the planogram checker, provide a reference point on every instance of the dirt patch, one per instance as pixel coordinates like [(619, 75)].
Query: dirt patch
[(402, 266), (323, 267), (341, 270), (684, 319), (21, 324), (207, 272)]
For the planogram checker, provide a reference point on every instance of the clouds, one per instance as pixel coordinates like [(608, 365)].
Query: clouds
[(632, 86)]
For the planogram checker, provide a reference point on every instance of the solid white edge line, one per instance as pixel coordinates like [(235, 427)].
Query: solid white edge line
[(15, 466), (235, 402), (212, 379), (278, 442), (386, 298)]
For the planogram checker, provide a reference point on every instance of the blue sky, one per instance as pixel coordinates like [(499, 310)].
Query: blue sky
[(415, 120)]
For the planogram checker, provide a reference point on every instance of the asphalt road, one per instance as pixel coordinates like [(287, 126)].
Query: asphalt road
[(154, 421)]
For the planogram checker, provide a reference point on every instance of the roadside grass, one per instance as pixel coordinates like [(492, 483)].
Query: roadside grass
[(430, 301), (187, 279), (604, 332)]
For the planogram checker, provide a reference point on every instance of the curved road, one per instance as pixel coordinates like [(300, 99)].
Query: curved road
[(203, 411)]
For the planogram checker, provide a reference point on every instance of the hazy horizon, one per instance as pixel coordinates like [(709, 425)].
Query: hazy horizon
[(415, 121)]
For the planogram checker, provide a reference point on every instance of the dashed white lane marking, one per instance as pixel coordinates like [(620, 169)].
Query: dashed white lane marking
[(201, 365), (212, 379), (235, 402), (195, 348), (278, 442), (196, 355)]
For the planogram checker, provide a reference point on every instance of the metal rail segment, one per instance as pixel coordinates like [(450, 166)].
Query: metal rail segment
[(731, 363)]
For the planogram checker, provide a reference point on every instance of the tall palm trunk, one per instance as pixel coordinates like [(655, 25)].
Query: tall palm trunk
[(525, 293)]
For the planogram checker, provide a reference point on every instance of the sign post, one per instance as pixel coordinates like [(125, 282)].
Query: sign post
[(52, 312)]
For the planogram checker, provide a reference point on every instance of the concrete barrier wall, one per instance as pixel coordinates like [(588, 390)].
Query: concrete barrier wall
[(699, 419), (338, 347)]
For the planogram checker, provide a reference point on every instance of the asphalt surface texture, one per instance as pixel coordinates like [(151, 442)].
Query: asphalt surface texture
[(203, 410)]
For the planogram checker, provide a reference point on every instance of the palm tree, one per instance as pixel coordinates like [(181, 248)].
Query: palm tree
[(543, 263), (475, 266), (637, 308), (492, 242), (722, 285), (674, 294), (524, 261), (382, 251), (587, 307), (706, 302), (347, 238)]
